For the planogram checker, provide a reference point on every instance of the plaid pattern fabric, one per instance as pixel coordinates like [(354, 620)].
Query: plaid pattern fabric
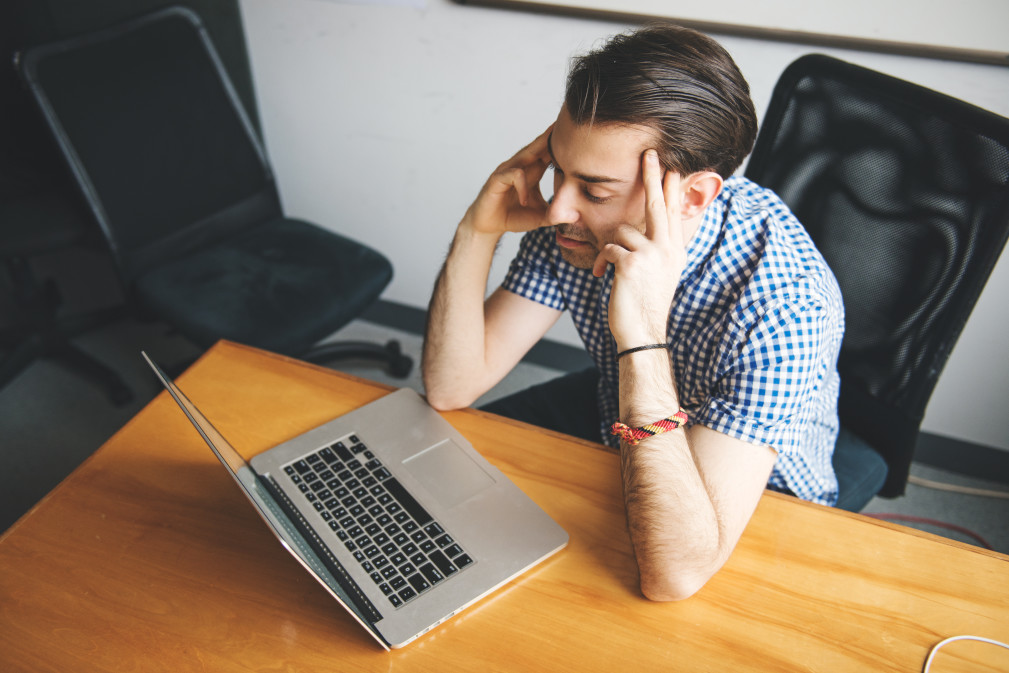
[(754, 332)]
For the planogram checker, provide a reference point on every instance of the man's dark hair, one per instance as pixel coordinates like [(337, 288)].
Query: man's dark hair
[(676, 81)]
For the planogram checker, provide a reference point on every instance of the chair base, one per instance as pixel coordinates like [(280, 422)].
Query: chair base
[(58, 347), (399, 365), (42, 334)]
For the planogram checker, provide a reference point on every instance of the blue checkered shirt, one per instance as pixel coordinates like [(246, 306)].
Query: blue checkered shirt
[(754, 332)]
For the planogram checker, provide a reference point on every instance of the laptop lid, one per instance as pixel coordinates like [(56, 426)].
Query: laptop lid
[(494, 531)]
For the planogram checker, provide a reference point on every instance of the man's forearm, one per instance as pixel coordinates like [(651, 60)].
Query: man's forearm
[(673, 522), (454, 344)]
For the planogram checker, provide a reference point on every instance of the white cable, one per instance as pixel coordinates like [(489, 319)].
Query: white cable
[(952, 488), (931, 655)]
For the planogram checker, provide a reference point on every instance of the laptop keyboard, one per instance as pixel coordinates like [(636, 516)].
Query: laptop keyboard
[(401, 547)]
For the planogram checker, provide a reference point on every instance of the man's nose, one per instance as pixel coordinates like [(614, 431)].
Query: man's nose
[(561, 209)]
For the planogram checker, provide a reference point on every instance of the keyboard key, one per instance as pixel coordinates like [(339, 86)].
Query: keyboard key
[(407, 569), (391, 573), (341, 450), (419, 536), (418, 560), (395, 600), (385, 589), (397, 582), (462, 561), (453, 551), (397, 559), (328, 455), (433, 529), (302, 467), (431, 573), (419, 583), (390, 549), (407, 593), (444, 565), (312, 459), (415, 509), (378, 579), (428, 546), (445, 540), (357, 448)]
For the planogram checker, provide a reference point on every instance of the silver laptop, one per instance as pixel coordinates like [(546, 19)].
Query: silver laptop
[(392, 511)]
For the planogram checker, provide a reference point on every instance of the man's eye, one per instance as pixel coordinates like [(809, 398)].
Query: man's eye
[(593, 198)]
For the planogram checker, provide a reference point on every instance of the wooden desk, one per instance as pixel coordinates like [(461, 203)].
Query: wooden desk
[(148, 558)]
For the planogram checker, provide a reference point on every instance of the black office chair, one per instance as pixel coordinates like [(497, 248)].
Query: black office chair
[(906, 193), (179, 183), (38, 217)]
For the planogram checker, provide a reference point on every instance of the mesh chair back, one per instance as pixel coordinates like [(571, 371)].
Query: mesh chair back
[(162, 175), (906, 193)]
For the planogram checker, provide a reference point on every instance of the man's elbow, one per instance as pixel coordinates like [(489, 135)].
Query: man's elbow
[(670, 591), (669, 586), (447, 400)]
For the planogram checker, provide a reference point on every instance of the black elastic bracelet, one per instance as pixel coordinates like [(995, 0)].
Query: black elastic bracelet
[(639, 348)]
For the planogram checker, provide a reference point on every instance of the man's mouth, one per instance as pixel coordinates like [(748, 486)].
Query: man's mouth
[(567, 242)]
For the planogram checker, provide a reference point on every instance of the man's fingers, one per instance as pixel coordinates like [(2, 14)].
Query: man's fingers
[(656, 225), (674, 215), (610, 254)]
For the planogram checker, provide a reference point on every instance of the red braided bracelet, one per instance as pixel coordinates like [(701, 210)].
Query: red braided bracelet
[(634, 435)]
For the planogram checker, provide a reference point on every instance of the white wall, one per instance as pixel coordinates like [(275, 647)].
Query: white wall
[(383, 120)]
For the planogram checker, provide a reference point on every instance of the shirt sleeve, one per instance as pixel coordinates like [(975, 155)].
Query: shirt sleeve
[(533, 272), (779, 385)]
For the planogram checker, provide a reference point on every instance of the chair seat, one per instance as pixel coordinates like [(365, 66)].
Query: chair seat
[(860, 471), (282, 286)]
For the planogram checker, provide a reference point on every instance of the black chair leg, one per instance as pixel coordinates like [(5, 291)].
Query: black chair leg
[(399, 364)]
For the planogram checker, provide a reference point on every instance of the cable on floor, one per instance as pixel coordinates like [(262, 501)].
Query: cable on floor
[(907, 518), (953, 488)]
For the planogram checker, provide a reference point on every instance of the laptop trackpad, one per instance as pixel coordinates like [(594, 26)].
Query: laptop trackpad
[(448, 473)]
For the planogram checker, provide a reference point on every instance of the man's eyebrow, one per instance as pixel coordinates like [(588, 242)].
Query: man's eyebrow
[(593, 179)]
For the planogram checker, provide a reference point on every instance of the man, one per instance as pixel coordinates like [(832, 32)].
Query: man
[(713, 321)]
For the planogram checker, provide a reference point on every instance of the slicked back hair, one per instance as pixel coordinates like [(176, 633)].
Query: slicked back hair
[(678, 82)]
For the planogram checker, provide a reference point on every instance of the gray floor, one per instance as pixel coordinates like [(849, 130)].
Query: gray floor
[(50, 421)]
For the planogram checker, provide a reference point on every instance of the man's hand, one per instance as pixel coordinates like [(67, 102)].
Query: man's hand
[(511, 199), (647, 265)]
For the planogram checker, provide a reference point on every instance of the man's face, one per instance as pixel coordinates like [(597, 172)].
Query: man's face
[(597, 185)]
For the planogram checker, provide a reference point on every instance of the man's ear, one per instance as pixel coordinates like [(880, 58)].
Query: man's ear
[(699, 190)]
